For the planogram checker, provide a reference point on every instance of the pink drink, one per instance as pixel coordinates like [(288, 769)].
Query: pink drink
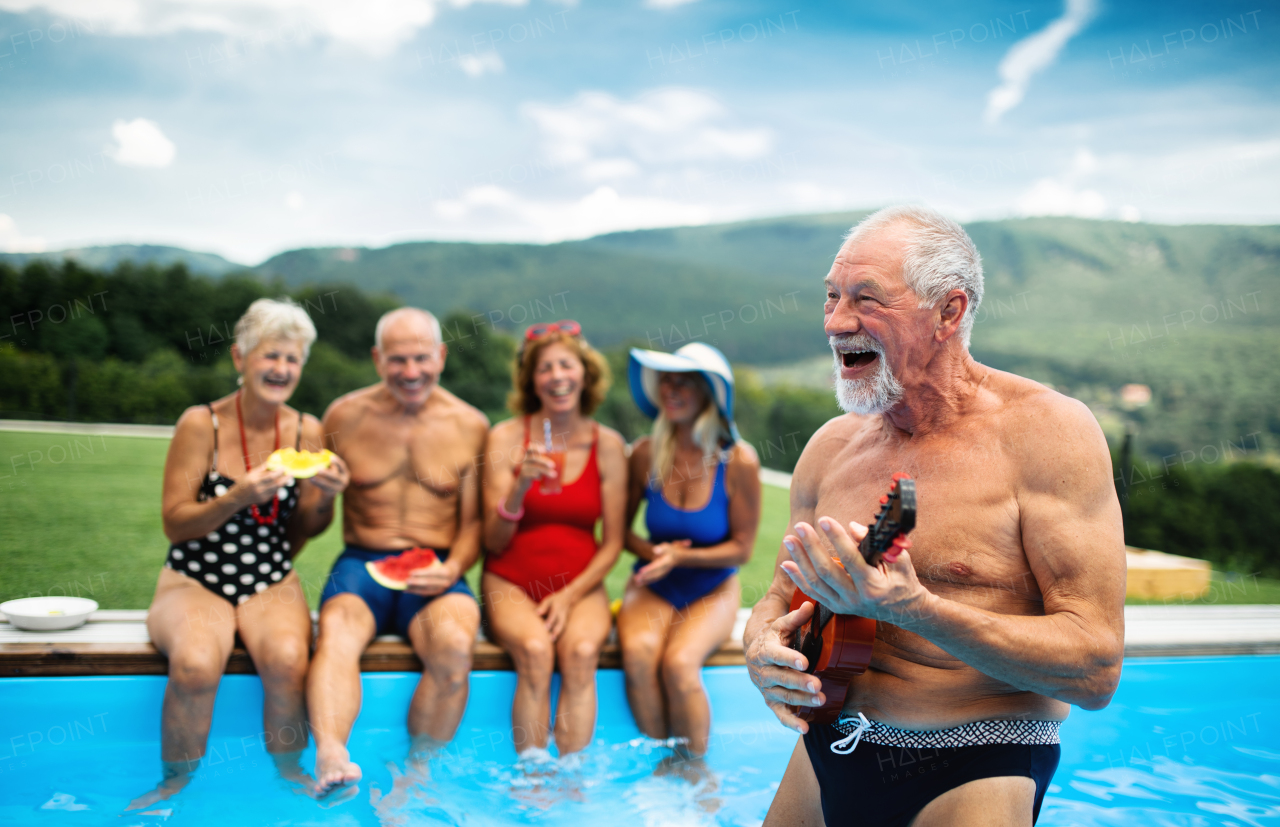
[(554, 486)]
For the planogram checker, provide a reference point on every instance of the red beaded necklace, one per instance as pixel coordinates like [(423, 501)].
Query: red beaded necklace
[(244, 447)]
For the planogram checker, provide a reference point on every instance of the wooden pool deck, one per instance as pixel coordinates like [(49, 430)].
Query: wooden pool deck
[(116, 643)]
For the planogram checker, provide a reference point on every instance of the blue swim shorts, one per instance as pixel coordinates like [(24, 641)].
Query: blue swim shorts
[(393, 611)]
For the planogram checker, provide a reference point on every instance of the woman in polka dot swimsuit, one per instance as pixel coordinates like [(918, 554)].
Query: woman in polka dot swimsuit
[(235, 526), (244, 556)]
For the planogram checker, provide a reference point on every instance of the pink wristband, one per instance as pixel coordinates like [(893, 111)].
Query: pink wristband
[(507, 515)]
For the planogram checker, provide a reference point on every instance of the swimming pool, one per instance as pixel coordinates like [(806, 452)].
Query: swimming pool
[(1192, 742)]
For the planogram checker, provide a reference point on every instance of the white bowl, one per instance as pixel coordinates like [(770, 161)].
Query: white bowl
[(48, 613)]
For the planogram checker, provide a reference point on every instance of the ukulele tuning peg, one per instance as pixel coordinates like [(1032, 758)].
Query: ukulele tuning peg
[(884, 500)]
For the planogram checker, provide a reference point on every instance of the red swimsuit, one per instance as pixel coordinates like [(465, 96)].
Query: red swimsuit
[(555, 540)]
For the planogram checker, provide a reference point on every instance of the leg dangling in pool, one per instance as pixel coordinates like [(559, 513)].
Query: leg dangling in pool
[(578, 655), (697, 630), (175, 776), (411, 783), (513, 624), (696, 772), (276, 629), (333, 689), (195, 630), (442, 634)]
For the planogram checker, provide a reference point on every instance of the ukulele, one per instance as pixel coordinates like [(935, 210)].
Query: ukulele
[(838, 647)]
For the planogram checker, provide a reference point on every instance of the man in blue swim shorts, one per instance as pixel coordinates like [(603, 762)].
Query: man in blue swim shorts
[(412, 448), (1009, 607)]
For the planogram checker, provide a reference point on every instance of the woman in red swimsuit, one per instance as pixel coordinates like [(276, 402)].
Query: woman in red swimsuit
[(543, 581)]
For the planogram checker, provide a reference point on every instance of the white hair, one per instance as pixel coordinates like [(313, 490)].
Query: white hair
[(391, 315), (939, 257), (275, 319)]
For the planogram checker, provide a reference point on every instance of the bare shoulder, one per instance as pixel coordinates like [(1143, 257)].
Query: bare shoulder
[(640, 457), (1052, 434), (192, 443), (349, 405), (643, 447), (612, 441), (507, 432), (743, 458), (469, 419), (819, 452), (195, 422)]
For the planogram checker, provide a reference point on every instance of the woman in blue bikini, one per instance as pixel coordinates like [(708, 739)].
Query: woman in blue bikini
[(701, 486)]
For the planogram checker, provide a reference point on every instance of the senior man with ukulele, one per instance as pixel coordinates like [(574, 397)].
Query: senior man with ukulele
[(1008, 607)]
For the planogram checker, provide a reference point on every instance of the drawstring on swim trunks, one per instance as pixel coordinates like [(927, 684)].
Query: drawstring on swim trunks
[(851, 740)]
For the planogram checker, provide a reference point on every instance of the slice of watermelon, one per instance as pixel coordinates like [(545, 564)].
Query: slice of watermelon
[(393, 571)]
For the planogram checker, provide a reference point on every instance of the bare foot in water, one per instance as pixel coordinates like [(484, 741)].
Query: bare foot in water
[(695, 771), (289, 765), (334, 770), (404, 785), (176, 775)]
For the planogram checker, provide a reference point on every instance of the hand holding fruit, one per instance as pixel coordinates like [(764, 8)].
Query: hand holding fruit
[(259, 485), (333, 479), (432, 580)]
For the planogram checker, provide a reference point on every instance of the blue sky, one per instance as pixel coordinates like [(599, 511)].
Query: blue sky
[(251, 127)]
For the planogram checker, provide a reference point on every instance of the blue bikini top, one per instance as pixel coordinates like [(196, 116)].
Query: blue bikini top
[(707, 526)]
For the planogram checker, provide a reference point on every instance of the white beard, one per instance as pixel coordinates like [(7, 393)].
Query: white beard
[(873, 395)]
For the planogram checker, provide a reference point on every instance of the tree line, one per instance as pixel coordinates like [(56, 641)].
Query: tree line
[(139, 344)]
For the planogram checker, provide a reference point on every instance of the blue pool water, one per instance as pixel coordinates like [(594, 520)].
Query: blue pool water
[(1186, 742)]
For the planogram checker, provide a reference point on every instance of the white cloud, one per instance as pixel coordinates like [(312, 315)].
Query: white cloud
[(601, 211), (1064, 195), (606, 138), (12, 241), (377, 27), (806, 195), (1034, 54), (1049, 196), (477, 65), (295, 201), (666, 4), (140, 143)]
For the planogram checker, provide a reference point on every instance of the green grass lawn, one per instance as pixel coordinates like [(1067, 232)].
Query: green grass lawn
[(81, 515)]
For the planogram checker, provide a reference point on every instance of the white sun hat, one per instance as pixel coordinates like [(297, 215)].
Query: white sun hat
[(693, 357)]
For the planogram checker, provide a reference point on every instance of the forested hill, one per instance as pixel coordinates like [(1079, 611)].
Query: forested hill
[(1059, 286), (617, 296), (1087, 306), (110, 256)]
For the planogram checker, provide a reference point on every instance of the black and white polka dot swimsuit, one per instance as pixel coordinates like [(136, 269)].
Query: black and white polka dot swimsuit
[(240, 557)]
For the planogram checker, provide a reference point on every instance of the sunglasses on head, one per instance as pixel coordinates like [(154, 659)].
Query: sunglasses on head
[(537, 331)]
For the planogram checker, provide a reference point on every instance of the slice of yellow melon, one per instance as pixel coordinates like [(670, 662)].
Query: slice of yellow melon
[(299, 464)]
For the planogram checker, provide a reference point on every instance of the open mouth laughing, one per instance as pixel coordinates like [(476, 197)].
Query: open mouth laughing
[(855, 359), (412, 385), (855, 352), (864, 383)]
